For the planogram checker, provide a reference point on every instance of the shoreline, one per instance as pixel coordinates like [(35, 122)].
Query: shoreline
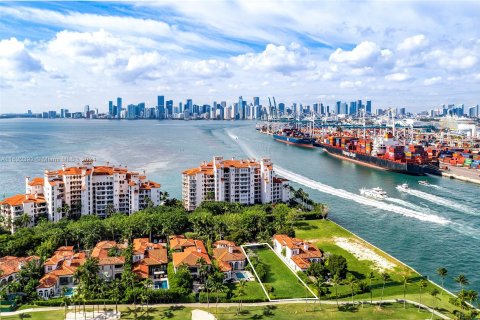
[(393, 258), (460, 178)]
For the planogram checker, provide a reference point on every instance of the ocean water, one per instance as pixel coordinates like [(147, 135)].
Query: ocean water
[(428, 227)]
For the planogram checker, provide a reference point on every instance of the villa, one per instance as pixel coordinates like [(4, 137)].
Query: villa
[(230, 258), (151, 262), (10, 266), (59, 271), (110, 259), (189, 253), (298, 253)]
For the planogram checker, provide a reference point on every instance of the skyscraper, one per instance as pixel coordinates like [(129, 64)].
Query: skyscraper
[(337, 107), (110, 108), (256, 101), (160, 107), (119, 107), (368, 108)]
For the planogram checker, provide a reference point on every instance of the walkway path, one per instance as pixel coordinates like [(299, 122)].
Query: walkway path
[(227, 305)]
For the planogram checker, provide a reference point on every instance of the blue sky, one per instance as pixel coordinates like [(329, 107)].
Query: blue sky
[(406, 53)]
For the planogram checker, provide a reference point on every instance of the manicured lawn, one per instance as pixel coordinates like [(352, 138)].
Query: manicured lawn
[(253, 292), (322, 232), (279, 277), (278, 312)]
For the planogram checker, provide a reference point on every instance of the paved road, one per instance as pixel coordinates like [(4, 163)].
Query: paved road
[(226, 305)]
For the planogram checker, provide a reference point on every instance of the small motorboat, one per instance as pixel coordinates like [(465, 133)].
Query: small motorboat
[(403, 187), (375, 193), (423, 183)]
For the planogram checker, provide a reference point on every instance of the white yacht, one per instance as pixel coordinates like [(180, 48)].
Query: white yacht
[(423, 183), (403, 187), (375, 193)]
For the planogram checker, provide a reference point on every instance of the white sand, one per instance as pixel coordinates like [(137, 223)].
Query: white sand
[(362, 252)]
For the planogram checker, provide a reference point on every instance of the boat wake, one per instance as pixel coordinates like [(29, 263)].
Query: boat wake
[(357, 198), (405, 204), (343, 193), (441, 201)]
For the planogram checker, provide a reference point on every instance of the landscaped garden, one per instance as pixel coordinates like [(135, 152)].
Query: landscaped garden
[(279, 281), (396, 282)]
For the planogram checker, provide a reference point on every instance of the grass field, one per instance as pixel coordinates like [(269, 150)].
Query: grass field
[(322, 232), (253, 292), (284, 282), (277, 312)]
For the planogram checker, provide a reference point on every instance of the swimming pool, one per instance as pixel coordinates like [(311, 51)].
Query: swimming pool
[(240, 275), (69, 292), (161, 284)]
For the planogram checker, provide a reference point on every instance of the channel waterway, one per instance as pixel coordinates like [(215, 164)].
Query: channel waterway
[(427, 227)]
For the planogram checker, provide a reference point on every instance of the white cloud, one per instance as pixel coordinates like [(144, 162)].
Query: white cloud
[(398, 77), (16, 63), (365, 54), (281, 59), (351, 84), (432, 81), (457, 59), (413, 43)]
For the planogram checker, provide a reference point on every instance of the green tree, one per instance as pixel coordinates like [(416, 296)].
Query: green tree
[(422, 285), (405, 281), (434, 293), (351, 281), (337, 264), (442, 272), (182, 279), (462, 280), (217, 288), (319, 286), (241, 287), (336, 281), (385, 277), (23, 221), (370, 277)]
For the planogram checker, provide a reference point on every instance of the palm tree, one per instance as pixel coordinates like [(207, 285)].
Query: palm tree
[(472, 296), (422, 284), (23, 221), (218, 288), (370, 277), (147, 284), (241, 286), (65, 300), (434, 293), (336, 282), (352, 282), (318, 284), (406, 280), (442, 272), (116, 294), (385, 277), (461, 280)]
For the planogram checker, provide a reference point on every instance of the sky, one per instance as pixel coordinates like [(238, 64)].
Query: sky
[(414, 54)]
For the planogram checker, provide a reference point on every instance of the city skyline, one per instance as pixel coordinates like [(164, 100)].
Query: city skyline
[(55, 55)]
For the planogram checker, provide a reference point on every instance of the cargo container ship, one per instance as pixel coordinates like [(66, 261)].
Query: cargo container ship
[(294, 137), (383, 152)]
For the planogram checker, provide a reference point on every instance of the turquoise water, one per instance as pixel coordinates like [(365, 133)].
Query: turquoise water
[(429, 227), (161, 284), (240, 275)]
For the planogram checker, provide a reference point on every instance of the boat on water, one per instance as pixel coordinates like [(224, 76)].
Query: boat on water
[(294, 137), (403, 187), (381, 151), (376, 193), (423, 183)]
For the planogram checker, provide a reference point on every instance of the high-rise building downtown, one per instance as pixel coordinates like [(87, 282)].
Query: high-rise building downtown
[(119, 108)]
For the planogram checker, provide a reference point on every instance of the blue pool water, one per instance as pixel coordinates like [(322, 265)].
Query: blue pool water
[(240, 275), (161, 284), (69, 292)]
